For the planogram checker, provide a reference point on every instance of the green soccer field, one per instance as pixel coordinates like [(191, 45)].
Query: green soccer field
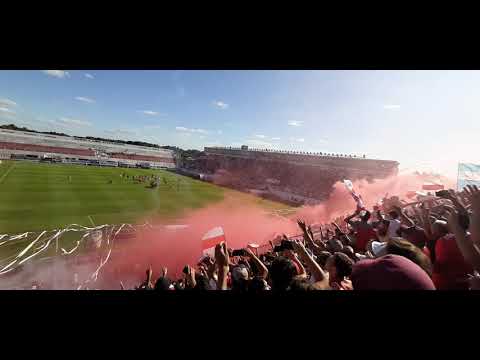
[(36, 196)]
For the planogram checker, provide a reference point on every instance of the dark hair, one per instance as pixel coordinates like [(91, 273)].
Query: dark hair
[(406, 249), (348, 250), (300, 285), (343, 264), (366, 217), (202, 283), (162, 284), (282, 271), (393, 214), (322, 258), (256, 285)]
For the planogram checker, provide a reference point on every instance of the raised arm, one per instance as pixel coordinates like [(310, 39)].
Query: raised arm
[(403, 216), (308, 237), (348, 219), (470, 253), (380, 215), (263, 271), (473, 194), (222, 259), (426, 224), (315, 269)]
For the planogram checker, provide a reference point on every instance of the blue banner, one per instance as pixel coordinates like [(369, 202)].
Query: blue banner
[(468, 174)]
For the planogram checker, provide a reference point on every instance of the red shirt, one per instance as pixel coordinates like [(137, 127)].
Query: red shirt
[(450, 269), (364, 233)]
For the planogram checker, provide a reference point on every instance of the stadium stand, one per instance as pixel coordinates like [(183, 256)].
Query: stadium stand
[(279, 173), (30, 146)]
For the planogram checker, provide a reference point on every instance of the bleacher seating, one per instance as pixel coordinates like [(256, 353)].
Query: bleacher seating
[(41, 144), (46, 149)]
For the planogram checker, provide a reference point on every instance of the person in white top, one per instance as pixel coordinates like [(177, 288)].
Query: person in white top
[(394, 224)]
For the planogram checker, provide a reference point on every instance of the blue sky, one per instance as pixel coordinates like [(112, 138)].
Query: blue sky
[(427, 120)]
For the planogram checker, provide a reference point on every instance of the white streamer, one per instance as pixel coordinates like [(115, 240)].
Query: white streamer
[(6, 267), (24, 251), (21, 236), (71, 251), (46, 246)]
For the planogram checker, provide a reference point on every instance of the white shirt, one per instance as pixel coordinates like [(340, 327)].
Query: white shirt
[(393, 227)]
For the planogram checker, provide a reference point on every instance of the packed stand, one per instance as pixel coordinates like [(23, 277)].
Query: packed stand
[(429, 245)]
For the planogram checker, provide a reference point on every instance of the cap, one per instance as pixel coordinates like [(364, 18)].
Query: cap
[(390, 272)]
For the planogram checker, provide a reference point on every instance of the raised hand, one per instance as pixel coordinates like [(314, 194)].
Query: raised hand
[(337, 227), (473, 195), (221, 254), (453, 219), (301, 224), (190, 276), (271, 244), (298, 247)]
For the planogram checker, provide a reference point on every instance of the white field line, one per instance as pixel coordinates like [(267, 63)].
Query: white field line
[(90, 218), (6, 173)]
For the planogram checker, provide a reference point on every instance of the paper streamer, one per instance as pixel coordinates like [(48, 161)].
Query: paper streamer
[(71, 251)]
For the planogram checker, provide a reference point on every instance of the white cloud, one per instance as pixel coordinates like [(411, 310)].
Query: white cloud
[(295, 123), (84, 99), (5, 103), (260, 136), (90, 76), (391, 107), (6, 110), (202, 137), (74, 122), (275, 138), (184, 129), (57, 73), (221, 105), (149, 112), (220, 132), (297, 139)]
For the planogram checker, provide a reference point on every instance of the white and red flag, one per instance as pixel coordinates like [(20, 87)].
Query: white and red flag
[(358, 198), (210, 239)]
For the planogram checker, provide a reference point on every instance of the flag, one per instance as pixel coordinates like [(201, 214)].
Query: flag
[(210, 239), (358, 199), (468, 174), (432, 186)]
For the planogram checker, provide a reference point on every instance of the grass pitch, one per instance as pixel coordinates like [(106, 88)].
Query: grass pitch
[(35, 196)]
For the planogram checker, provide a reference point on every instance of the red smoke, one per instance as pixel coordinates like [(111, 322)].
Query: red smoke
[(242, 224), (341, 202), (175, 248)]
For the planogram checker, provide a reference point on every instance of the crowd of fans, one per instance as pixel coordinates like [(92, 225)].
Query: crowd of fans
[(434, 244), (252, 173)]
